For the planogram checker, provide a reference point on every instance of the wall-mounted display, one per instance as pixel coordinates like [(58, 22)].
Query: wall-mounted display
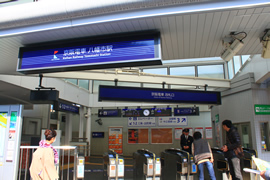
[(136, 94), (116, 139), (109, 113), (93, 53), (187, 111)]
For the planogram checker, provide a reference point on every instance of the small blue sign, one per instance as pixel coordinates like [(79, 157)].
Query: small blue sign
[(68, 107), (97, 134), (186, 111)]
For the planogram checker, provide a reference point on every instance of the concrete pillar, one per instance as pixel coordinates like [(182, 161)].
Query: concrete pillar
[(81, 122), (68, 129), (88, 128)]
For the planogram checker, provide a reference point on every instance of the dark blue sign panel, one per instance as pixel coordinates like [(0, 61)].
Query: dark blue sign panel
[(118, 52), (186, 111), (120, 93), (109, 113), (97, 134), (60, 106)]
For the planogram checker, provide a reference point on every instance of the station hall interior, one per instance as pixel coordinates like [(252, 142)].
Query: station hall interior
[(203, 46)]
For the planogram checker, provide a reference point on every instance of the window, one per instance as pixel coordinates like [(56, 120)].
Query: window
[(183, 71), (230, 69), (84, 84), (73, 81), (161, 71), (211, 71), (244, 58), (237, 63)]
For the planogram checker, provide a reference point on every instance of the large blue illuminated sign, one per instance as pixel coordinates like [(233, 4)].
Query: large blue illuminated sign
[(93, 54), (120, 93)]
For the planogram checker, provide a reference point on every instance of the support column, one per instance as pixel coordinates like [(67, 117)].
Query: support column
[(81, 123), (88, 129), (68, 129)]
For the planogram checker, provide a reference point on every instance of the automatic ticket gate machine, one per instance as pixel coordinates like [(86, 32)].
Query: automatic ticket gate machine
[(248, 163), (177, 164), (146, 165), (113, 166), (221, 166)]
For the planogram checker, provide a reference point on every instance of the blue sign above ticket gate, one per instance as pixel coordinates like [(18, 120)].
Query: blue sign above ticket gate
[(114, 51), (121, 93)]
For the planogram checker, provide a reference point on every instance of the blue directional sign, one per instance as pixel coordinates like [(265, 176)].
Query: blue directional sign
[(121, 93), (97, 134)]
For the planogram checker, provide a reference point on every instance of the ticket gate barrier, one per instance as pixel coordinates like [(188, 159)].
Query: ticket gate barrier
[(221, 165), (146, 165), (113, 166), (177, 164), (80, 167), (248, 163)]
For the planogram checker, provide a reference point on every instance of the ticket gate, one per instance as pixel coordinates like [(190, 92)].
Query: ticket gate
[(146, 165), (113, 166), (177, 164), (221, 165), (248, 163)]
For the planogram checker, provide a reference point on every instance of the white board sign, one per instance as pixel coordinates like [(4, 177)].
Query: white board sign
[(141, 121), (173, 121)]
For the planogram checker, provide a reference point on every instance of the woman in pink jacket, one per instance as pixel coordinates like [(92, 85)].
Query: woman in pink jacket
[(44, 158)]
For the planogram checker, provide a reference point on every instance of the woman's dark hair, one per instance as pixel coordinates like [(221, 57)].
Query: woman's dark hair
[(49, 134), (197, 135), (227, 123)]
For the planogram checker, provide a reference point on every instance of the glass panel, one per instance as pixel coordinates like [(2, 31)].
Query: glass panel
[(211, 71), (230, 69), (161, 71), (244, 58), (183, 87), (183, 71), (97, 83), (264, 136), (73, 81), (84, 83), (154, 85), (246, 136), (129, 84), (237, 63)]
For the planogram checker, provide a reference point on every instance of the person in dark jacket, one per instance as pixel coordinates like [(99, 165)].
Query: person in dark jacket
[(203, 156), (186, 141), (233, 141)]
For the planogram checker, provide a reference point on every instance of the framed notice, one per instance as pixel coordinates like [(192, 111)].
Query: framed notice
[(161, 136), (116, 139), (177, 133), (199, 129), (208, 133), (138, 136)]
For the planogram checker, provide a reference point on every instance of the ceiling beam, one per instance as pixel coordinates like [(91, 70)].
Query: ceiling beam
[(142, 78)]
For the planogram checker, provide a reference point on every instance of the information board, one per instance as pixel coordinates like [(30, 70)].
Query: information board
[(141, 121), (130, 94), (138, 136), (161, 136), (116, 139), (113, 51), (173, 121), (109, 113)]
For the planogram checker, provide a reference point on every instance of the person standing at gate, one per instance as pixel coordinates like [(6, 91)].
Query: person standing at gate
[(233, 142), (186, 141), (203, 156), (42, 166)]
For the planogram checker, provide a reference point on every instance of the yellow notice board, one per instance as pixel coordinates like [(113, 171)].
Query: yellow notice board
[(161, 136)]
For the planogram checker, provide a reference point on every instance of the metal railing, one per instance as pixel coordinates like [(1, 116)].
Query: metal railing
[(68, 156)]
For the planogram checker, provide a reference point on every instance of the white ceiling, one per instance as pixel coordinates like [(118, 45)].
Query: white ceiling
[(184, 34)]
